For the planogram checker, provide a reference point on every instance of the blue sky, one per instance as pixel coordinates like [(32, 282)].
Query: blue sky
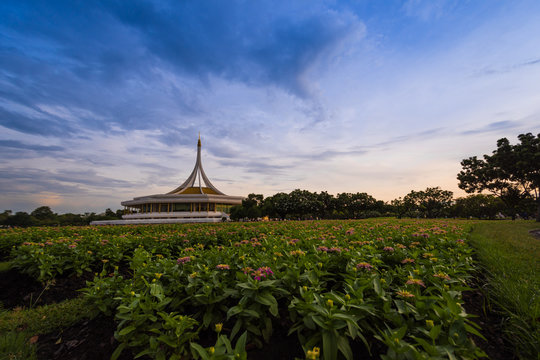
[(102, 101)]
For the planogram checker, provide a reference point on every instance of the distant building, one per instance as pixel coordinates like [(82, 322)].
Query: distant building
[(196, 200)]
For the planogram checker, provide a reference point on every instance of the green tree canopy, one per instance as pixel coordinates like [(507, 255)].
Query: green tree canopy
[(431, 203), (512, 172), (42, 213)]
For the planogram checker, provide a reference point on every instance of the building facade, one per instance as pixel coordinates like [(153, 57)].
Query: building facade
[(196, 200)]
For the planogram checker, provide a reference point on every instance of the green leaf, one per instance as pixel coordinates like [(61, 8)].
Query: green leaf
[(377, 287), (266, 299), (165, 339), (344, 347), (240, 346), (126, 330), (142, 353), (199, 350), (402, 309), (472, 330), (434, 332), (233, 311), (118, 351), (432, 350), (207, 318), (401, 332), (329, 345)]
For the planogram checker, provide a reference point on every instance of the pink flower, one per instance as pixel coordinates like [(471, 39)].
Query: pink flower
[(183, 260), (407, 261), (442, 275), (350, 231), (404, 294), (364, 265), (388, 248), (415, 282), (223, 267), (261, 273)]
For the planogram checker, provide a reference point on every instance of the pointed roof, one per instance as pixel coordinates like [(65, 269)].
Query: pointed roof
[(190, 186)]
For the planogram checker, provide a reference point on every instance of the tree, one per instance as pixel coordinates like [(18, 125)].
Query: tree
[(43, 213), (479, 206), (399, 208), (512, 172), (21, 219), (430, 203)]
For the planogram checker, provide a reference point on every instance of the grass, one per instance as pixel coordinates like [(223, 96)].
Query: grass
[(17, 327), (14, 346), (510, 258), (4, 266)]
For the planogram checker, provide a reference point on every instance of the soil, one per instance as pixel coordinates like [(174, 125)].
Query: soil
[(476, 303), (20, 290), (87, 340), (535, 233), (94, 339)]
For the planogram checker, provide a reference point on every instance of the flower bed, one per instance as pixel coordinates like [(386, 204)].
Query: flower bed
[(387, 285)]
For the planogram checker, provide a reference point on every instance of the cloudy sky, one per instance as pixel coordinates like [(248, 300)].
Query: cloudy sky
[(102, 101)]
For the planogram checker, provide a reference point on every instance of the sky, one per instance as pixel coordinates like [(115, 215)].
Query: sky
[(103, 101)]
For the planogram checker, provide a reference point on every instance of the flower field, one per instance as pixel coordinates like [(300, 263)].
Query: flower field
[(386, 288)]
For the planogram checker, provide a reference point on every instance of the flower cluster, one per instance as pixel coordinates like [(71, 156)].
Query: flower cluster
[(404, 294), (223, 267), (297, 253), (364, 265), (330, 250), (183, 260), (388, 248), (442, 275), (412, 281), (261, 273)]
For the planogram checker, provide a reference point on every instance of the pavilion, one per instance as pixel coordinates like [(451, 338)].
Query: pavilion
[(196, 200)]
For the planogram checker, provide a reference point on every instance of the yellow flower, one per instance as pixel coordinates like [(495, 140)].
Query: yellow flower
[(313, 354), (158, 275), (347, 297), (219, 326), (193, 275), (211, 350), (132, 293), (330, 302), (304, 288), (429, 323)]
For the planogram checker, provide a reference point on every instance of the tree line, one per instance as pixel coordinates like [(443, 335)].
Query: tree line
[(432, 202), (44, 216), (511, 176)]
